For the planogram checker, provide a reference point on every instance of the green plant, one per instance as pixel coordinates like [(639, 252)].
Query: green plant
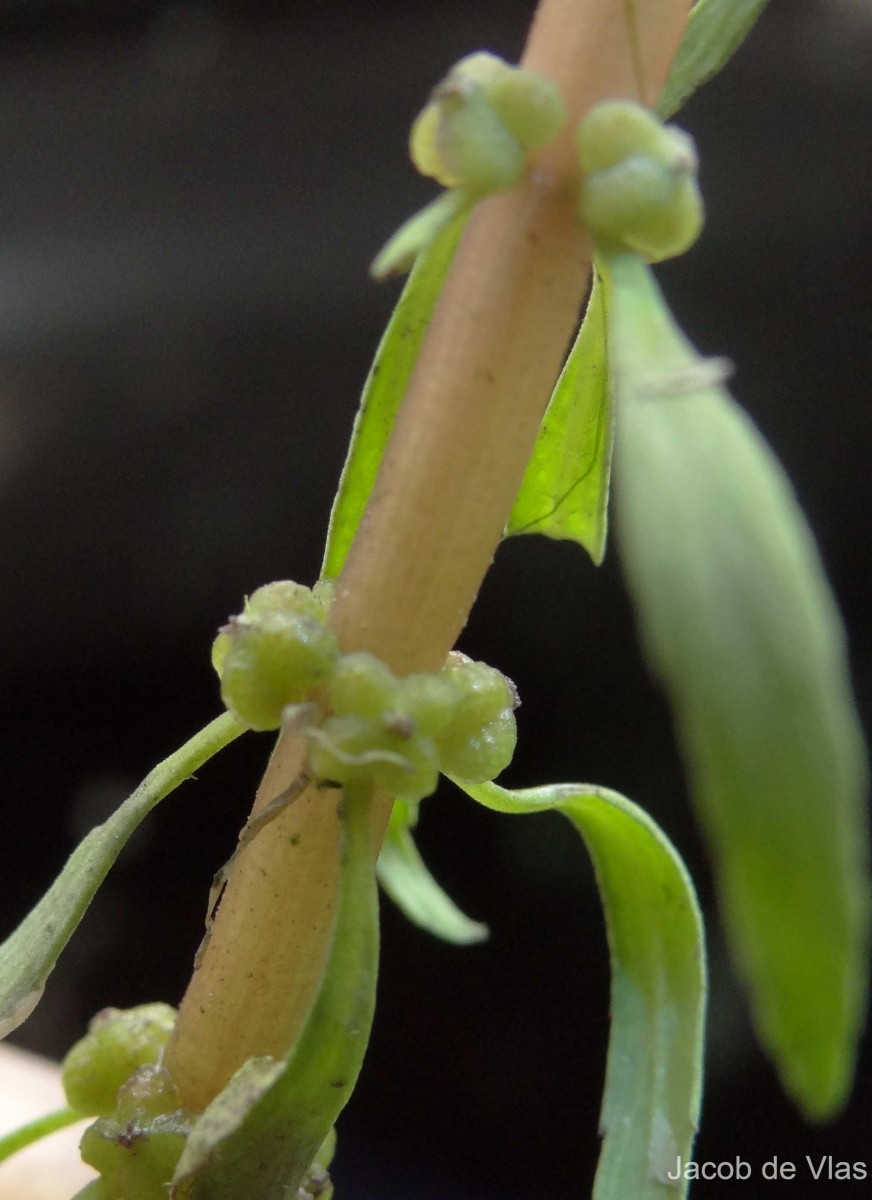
[(734, 611)]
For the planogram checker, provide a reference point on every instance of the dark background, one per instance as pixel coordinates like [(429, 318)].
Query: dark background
[(190, 196)]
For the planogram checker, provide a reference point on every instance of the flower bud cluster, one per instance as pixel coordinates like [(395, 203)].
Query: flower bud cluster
[(639, 191), (275, 653), (482, 121), (113, 1073), (278, 661), (403, 732)]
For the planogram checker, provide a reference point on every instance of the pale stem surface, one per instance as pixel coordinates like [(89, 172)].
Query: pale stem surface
[(450, 476)]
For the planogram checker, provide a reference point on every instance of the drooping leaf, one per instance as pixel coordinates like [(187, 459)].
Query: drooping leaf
[(651, 1102), (384, 390), (404, 876), (28, 955), (566, 485), (738, 621), (261, 1134), (715, 31)]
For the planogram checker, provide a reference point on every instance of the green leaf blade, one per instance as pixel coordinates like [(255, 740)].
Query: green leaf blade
[(652, 1096), (715, 31), (384, 390), (404, 876), (564, 493), (29, 954), (739, 622)]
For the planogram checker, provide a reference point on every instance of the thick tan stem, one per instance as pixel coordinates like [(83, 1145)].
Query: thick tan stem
[(443, 495), (486, 370), (263, 960)]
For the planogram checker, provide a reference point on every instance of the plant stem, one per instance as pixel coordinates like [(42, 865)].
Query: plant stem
[(495, 347), (449, 478)]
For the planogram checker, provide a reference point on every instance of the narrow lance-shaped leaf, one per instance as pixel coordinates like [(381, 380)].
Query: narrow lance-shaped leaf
[(566, 485), (738, 620), (415, 235), (384, 390), (28, 955), (715, 31), (404, 876), (260, 1135), (656, 940)]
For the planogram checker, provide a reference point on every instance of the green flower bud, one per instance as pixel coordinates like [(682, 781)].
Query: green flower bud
[(480, 740), (530, 104), (345, 747), (481, 122), (616, 129), (484, 692), (219, 652), (273, 661), (431, 701), (117, 1043), (136, 1148), (136, 1158), (480, 756), (385, 749), (282, 596), (462, 142), (363, 685), (414, 778), (639, 191), (148, 1093), (98, 1189)]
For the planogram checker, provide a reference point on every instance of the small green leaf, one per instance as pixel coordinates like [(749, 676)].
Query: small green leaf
[(715, 31), (738, 620), (261, 1134), (656, 940), (384, 390), (415, 235), (566, 486), (404, 876), (28, 955)]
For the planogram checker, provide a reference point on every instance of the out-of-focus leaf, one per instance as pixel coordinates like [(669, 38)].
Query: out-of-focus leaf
[(738, 620), (384, 390), (415, 235), (656, 940), (715, 31), (28, 955), (566, 485), (404, 876), (261, 1134)]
